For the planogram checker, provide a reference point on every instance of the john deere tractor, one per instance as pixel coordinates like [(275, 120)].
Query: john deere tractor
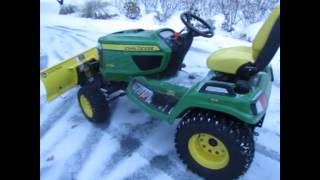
[(217, 113)]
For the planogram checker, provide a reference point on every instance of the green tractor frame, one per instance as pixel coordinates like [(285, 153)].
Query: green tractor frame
[(218, 113)]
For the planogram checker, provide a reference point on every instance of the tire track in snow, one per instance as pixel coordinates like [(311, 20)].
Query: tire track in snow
[(61, 153), (85, 37), (57, 55), (75, 32), (131, 144), (70, 29), (74, 163), (144, 173), (267, 152), (53, 38), (171, 165), (66, 126), (265, 130), (168, 164), (80, 157), (56, 115), (70, 34), (260, 148), (98, 157), (128, 145)]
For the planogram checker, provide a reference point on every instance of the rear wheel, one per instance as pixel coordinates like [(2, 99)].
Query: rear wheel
[(214, 146), (93, 104)]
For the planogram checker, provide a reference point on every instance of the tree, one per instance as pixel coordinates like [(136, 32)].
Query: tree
[(229, 8), (253, 11), (132, 9), (168, 8), (150, 5)]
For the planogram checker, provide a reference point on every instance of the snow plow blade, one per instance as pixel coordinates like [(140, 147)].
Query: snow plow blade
[(64, 75)]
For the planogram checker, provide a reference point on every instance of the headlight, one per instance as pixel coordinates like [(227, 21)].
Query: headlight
[(260, 103)]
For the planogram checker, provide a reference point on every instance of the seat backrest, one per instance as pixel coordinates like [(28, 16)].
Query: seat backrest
[(265, 36)]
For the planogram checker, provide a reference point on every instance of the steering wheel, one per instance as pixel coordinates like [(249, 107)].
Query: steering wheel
[(207, 31)]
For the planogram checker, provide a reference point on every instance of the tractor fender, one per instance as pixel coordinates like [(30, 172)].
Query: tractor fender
[(244, 117)]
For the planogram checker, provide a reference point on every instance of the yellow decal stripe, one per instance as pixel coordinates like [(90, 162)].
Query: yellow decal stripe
[(128, 47)]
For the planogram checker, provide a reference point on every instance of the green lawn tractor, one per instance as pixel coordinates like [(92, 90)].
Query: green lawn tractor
[(218, 113)]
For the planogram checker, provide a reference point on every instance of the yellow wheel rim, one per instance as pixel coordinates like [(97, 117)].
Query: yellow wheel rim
[(86, 106), (208, 151)]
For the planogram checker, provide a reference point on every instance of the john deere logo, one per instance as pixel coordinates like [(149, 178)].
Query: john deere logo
[(127, 47), (139, 48)]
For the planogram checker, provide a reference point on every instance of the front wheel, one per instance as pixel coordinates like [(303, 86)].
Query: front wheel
[(93, 104), (214, 146)]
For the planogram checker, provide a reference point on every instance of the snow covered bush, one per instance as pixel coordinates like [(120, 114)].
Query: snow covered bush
[(234, 11), (67, 9), (253, 11), (168, 8), (230, 9), (132, 9), (150, 5), (97, 9)]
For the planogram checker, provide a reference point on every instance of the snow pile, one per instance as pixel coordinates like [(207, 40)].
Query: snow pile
[(252, 30)]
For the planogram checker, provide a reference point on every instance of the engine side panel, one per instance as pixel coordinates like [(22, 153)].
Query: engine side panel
[(133, 52)]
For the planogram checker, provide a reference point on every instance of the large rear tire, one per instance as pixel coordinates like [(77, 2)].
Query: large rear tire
[(214, 146), (93, 104)]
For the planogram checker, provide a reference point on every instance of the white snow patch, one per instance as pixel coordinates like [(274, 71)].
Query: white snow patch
[(252, 30), (67, 147), (162, 176), (219, 19), (126, 167), (272, 119), (103, 152), (270, 169), (42, 89), (162, 140)]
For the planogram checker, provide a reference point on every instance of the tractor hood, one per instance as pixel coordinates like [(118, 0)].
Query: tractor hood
[(134, 37), (133, 52)]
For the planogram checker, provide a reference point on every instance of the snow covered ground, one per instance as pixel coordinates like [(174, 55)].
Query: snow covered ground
[(138, 147)]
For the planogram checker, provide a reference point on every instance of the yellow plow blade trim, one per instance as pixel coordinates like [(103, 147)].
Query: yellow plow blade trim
[(63, 76)]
